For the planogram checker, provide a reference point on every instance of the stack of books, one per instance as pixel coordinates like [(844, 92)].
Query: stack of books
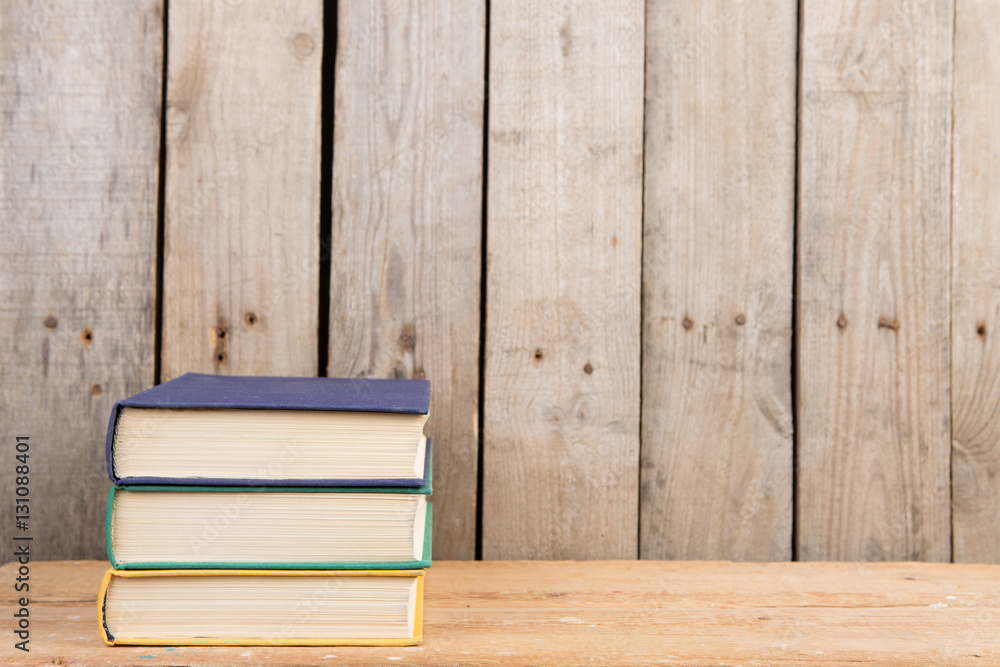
[(256, 511)]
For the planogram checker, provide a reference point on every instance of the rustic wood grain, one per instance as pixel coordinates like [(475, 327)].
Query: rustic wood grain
[(975, 286), (611, 613), (407, 224), (873, 414), (717, 280), (79, 140), (561, 445), (241, 271)]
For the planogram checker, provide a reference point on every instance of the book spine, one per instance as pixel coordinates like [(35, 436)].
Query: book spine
[(108, 518), (102, 602), (110, 446)]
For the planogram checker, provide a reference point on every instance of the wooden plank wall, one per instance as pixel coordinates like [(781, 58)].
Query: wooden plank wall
[(689, 281)]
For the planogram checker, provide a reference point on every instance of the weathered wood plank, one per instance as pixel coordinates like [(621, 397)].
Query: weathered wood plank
[(873, 414), (612, 613), (407, 224), (975, 289), (717, 277), (79, 140), (563, 280), (241, 270)]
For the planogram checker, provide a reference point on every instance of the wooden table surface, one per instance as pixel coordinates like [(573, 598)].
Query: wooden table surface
[(599, 613)]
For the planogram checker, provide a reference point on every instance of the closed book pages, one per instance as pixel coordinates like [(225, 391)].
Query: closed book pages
[(262, 607), (208, 430), (163, 527)]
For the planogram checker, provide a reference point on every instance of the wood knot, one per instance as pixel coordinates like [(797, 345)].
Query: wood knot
[(177, 122), (407, 339), (303, 45)]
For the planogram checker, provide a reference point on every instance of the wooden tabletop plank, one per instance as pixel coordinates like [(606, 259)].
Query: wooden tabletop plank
[(604, 612)]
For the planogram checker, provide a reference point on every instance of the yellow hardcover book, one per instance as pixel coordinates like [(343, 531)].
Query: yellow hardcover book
[(262, 607)]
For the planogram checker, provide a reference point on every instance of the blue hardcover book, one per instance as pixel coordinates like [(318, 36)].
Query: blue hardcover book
[(214, 430)]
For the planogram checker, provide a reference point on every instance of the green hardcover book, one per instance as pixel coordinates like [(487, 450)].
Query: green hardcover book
[(302, 528)]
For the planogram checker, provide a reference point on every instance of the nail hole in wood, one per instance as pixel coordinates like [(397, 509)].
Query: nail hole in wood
[(95, 389), (87, 336), (981, 330), (51, 322), (588, 369), (741, 319), (841, 321), (538, 354), (687, 323), (886, 323), (251, 318)]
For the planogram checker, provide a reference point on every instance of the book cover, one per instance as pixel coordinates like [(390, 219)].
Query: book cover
[(424, 562), (201, 391), (122, 639)]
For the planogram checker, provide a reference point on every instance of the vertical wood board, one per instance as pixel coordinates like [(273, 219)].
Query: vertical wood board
[(564, 228), (79, 140), (241, 267), (717, 276), (975, 287), (873, 413), (407, 209)]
